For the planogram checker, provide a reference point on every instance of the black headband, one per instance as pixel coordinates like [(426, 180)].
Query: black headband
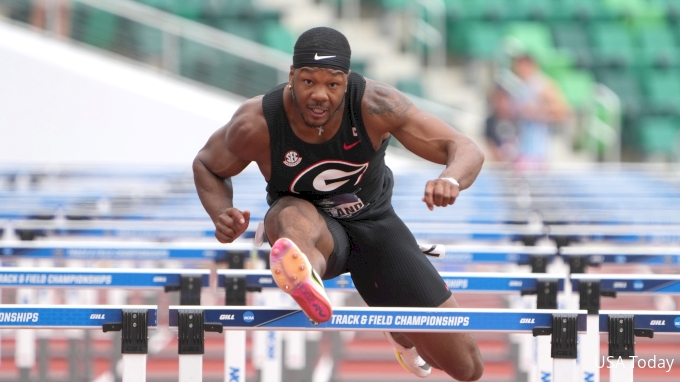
[(321, 58)]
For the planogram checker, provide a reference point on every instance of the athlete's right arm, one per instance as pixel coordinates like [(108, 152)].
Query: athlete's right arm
[(228, 151)]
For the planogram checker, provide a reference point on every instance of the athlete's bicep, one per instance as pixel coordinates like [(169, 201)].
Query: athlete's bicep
[(218, 157)]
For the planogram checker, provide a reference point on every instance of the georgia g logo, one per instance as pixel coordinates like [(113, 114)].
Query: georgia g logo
[(329, 176)]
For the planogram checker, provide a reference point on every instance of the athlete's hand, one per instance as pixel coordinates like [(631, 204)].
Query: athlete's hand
[(231, 224), (440, 192)]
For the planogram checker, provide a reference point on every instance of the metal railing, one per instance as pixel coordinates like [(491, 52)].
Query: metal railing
[(429, 32), (171, 43), (180, 46), (605, 128)]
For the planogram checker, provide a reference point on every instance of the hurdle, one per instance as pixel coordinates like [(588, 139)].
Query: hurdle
[(591, 287), (133, 321), (582, 256), (563, 325), (537, 257), (188, 282), (28, 229), (236, 282), (623, 326), (121, 250), (617, 234), (497, 282)]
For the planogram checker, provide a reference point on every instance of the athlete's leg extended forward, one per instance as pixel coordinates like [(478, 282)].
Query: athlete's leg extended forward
[(301, 247)]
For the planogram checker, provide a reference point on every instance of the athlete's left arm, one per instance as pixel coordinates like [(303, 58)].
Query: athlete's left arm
[(388, 111)]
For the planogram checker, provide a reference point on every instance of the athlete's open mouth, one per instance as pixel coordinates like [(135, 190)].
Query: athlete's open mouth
[(317, 112)]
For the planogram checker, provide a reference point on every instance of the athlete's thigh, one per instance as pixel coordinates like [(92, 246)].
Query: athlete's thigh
[(388, 268), (330, 236)]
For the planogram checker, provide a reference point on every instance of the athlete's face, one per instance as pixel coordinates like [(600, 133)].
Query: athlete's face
[(318, 93)]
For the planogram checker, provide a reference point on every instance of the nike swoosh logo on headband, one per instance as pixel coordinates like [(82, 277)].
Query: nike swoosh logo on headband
[(317, 57)]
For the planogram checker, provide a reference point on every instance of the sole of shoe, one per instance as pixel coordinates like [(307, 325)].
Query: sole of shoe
[(292, 272)]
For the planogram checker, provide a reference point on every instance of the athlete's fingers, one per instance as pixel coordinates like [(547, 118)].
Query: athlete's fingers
[(246, 217), (222, 238), (236, 220), (429, 189), (450, 194), (453, 195), (439, 193), (226, 230)]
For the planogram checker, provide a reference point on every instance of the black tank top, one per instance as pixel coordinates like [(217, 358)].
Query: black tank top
[(344, 176)]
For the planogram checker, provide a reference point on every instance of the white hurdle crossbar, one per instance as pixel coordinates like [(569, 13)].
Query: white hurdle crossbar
[(562, 324), (133, 321)]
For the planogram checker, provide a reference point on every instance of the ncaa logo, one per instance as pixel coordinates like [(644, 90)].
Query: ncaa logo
[(292, 158), (677, 322), (248, 316)]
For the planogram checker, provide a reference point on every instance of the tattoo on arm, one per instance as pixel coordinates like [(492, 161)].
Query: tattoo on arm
[(384, 100)]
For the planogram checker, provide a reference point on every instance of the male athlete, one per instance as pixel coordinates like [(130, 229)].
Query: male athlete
[(319, 141)]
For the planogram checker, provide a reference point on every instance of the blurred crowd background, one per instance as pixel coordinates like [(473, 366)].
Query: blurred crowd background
[(533, 81)]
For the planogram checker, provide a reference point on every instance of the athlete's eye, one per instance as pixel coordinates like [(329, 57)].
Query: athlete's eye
[(334, 85), (308, 82)]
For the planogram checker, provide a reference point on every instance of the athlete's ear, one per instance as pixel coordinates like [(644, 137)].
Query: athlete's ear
[(290, 74)]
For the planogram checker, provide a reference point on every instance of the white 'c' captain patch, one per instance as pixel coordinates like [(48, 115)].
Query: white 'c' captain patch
[(292, 158), (329, 176)]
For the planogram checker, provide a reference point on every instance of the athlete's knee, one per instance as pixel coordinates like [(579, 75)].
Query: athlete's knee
[(290, 213), (466, 368)]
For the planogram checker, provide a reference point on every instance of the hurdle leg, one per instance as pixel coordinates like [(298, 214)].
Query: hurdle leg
[(190, 367), (191, 345), (589, 349), (134, 367), (543, 359), (25, 341), (564, 370), (235, 356), (621, 370), (621, 347), (135, 344)]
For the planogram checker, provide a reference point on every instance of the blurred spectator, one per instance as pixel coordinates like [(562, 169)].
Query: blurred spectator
[(500, 130), (535, 105), (52, 15)]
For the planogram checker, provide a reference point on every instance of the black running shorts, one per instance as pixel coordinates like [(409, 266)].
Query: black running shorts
[(386, 264)]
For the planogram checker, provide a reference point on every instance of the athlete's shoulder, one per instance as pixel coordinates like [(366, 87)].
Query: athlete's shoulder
[(384, 102), (248, 125)]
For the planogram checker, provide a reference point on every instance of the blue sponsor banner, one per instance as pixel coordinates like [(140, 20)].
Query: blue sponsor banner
[(100, 278), (665, 259), (140, 232), (633, 284), (659, 322), (116, 252), (482, 254), (464, 281), (401, 319), (42, 316)]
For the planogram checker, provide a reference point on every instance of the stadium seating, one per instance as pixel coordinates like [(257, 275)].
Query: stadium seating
[(659, 136), (630, 46)]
